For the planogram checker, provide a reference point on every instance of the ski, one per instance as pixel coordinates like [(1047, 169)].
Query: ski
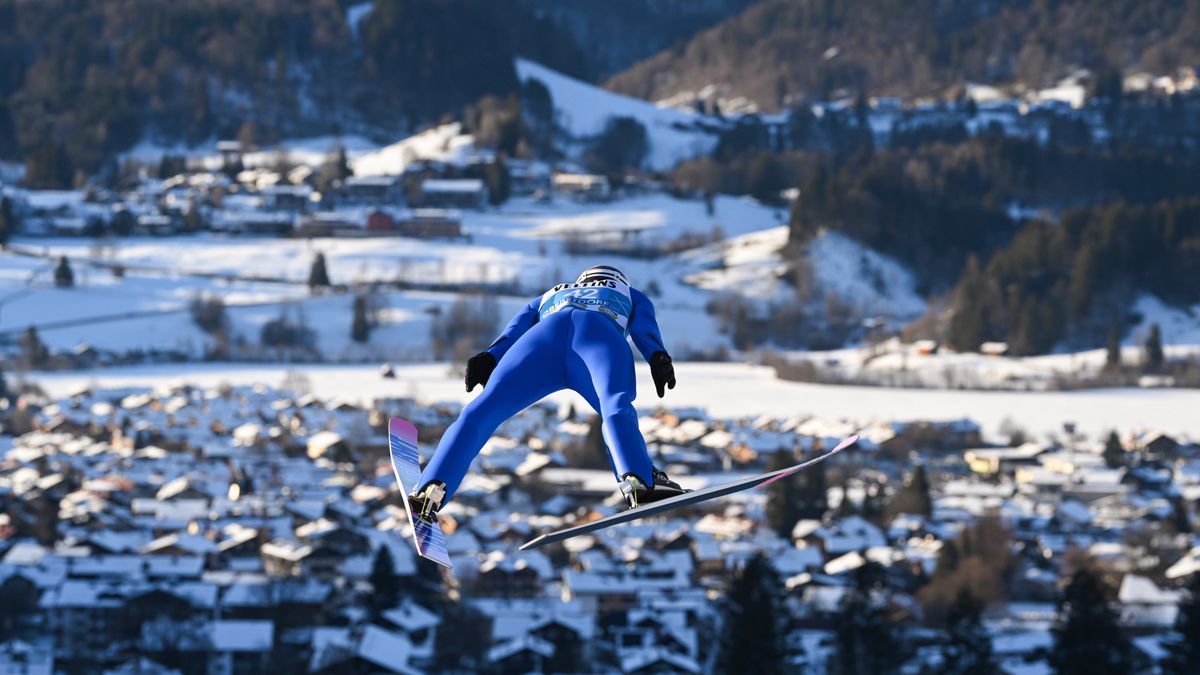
[(406, 464), (687, 499)]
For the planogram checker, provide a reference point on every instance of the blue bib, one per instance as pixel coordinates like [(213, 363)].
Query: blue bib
[(610, 298)]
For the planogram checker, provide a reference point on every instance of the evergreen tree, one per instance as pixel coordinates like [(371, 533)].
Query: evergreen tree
[(812, 492), (63, 276), (864, 639), (1112, 359), (49, 167), (1087, 638), (341, 164), (318, 276), (873, 506), (18, 604), (1181, 517), (1183, 647), (968, 647), (462, 639), (913, 497), (1114, 453), (766, 178), (360, 328), (785, 498), (622, 145), (498, 181), (8, 220), (1154, 349), (752, 633), (969, 323), (32, 348), (385, 584)]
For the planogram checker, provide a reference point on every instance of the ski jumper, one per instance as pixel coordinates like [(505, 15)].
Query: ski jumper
[(572, 337)]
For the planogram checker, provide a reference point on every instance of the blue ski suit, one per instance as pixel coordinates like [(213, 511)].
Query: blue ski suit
[(568, 338)]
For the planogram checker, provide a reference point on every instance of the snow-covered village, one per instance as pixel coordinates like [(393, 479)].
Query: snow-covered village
[(841, 338), (250, 528)]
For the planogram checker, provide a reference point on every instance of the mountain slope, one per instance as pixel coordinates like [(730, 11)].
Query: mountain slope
[(782, 48), (582, 110), (84, 81), (616, 34)]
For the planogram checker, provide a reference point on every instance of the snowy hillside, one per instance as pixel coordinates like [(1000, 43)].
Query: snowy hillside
[(867, 282), (750, 265), (1178, 325), (445, 143), (583, 110)]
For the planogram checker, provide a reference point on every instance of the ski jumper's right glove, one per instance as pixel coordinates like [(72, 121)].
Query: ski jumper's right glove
[(479, 369), (662, 371)]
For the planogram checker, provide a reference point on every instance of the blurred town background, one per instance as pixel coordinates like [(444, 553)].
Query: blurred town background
[(238, 236)]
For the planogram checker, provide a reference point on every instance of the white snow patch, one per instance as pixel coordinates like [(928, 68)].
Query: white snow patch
[(984, 92), (868, 281), (445, 143), (1179, 326), (750, 265), (1070, 90), (583, 110)]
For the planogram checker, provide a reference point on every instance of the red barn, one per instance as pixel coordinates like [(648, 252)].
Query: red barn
[(379, 221)]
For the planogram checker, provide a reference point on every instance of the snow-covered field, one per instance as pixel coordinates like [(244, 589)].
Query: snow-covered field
[(522, 242), (725, 390)]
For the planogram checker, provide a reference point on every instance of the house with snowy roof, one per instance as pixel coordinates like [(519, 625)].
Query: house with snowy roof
[(18, 657), (416, 623), (655, 659), (366, 649), (1145, 606), (522, 654)]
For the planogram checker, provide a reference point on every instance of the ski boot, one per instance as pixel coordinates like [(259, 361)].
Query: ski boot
[(636, 493), (426, 502)]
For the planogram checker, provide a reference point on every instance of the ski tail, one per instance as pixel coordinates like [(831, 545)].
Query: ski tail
[(406, 464)]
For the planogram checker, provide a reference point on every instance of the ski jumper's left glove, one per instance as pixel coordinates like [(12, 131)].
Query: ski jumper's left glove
[(663, 372), (479, 369)]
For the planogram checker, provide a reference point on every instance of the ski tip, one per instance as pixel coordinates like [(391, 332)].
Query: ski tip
[(846, 442), (533, 543), (402, 428)]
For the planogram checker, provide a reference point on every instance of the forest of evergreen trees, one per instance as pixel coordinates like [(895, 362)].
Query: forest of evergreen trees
[(81, 81), (1119, 222), (778, 51)]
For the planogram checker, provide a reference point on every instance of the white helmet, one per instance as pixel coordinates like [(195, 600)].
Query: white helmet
[(602, 273)]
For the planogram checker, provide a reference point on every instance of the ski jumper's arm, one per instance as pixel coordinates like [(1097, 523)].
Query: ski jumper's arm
[(643, 326), (520, 323)]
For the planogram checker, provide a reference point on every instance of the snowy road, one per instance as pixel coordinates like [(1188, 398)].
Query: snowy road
[(726, 390)]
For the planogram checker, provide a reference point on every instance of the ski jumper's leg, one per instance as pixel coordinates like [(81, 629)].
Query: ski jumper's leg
[(530, 370), (600, 368)]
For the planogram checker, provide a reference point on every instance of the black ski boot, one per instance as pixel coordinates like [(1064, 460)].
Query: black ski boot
[(636, 493), (426, 502)]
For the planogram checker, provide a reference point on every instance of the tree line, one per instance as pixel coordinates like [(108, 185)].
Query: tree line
[(80, 81)]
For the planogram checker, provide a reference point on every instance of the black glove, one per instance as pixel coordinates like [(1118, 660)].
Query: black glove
[(662, 371), (479, 369)]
